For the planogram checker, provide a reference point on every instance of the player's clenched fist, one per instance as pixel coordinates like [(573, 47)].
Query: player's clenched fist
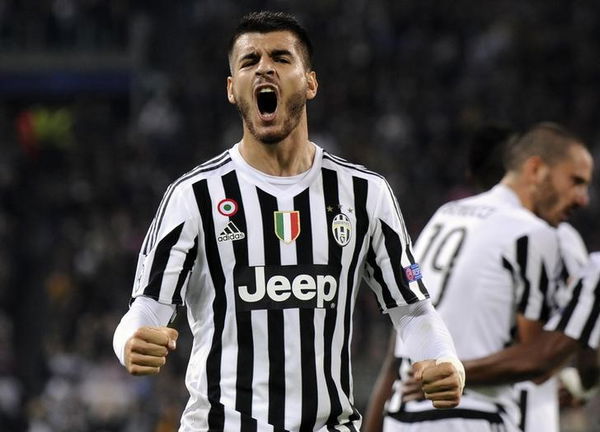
[(146, 351), (442, 381)]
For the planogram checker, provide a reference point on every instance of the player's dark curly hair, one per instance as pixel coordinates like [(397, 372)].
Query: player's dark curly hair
[(269, 21)]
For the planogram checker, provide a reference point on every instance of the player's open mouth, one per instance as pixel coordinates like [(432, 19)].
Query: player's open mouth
[(266, 99)]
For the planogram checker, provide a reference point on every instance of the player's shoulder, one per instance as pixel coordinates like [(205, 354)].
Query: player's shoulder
[(512, 212), (345, 167), (216, 166), (519, 222), (568, 233), (498, 208), (592, 267)]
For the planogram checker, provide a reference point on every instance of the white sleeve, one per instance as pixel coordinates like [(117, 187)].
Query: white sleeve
[(170, 248), (424, 334), (391, 270), (144, 311)]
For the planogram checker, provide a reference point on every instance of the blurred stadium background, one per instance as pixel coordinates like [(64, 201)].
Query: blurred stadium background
[(104, 102)]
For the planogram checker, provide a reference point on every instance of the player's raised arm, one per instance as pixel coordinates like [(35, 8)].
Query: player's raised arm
[(436, 366), (395, 278)]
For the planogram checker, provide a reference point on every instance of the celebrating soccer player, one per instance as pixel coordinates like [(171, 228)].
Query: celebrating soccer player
[(266, 246)]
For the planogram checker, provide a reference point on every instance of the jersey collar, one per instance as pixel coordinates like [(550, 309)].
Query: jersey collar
[(507, 195), (276, 185)]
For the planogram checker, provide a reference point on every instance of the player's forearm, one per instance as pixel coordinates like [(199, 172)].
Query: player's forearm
[(424, 333), (425, 336), (536, 360), (143, 312)]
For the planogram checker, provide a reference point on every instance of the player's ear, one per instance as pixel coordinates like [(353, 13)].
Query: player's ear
[(230, 96), (535, 169), (312, 85)]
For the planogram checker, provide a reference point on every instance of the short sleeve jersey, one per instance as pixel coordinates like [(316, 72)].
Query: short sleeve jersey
[(486, 259), (268, 269)]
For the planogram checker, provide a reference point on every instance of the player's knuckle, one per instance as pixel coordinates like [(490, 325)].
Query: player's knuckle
[(140, 333), (134, 344)]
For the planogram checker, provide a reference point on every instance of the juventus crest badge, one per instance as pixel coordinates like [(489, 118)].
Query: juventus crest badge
[(341, 227)]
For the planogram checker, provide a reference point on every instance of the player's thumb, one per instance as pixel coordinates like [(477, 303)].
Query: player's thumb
[(172, 334)]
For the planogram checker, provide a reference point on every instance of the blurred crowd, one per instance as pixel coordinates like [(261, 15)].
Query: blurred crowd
[(403, 84)]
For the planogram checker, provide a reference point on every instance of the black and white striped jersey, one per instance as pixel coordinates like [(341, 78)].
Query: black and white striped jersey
[(269, 268), (539, 403), (484, 259), (573, 251), (580, 318)]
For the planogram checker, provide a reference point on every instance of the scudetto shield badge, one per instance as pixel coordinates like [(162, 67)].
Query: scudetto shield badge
[(287, 225), (341, 227)]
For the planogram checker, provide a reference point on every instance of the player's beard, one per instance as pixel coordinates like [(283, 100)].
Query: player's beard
[(547, 199), (292, 110)]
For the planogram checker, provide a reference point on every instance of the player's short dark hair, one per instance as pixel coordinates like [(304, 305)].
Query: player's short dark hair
[(486, 148), (269, 21), (550, 141)]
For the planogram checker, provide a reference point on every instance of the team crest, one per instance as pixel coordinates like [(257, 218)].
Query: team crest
[(287, 225), (341, 227)]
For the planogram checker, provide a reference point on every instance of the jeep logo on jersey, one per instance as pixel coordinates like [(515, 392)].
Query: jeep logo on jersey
[(287, 225), (341, 229), (285, 287)]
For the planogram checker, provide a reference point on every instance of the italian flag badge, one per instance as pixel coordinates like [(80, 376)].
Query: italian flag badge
[(287, 225)]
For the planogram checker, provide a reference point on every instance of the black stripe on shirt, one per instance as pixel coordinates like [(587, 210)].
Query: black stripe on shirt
[(388, 300), (216, 414), (304, 255), (543, 286), (275, 322), (592, 317), (431, 415), (360, 188), (522, 253), (394, 248), (245, 338), (523, 408), (568, 311), (331, 197), (188, 263), (160, 262)]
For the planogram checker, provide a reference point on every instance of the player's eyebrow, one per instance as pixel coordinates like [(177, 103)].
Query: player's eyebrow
[(280, 52), (253, 55)]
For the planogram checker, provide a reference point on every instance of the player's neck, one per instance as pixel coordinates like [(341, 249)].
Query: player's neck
[(520, 188), (289, 157)]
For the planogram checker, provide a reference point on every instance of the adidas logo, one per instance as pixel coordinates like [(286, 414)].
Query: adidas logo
[(231, 232)]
